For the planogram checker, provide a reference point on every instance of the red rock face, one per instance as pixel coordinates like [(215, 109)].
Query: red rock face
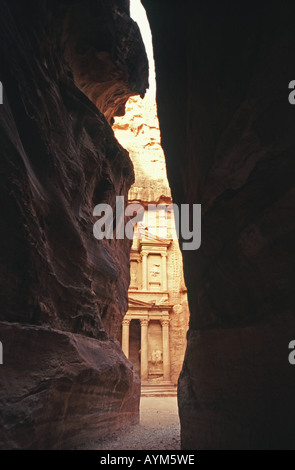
[(63, 293), (107, 56), (228, 134)]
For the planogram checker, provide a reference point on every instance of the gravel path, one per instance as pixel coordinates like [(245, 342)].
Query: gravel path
[(158, 429)]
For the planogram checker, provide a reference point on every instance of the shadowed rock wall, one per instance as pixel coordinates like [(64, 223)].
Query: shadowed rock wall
[(223, 70), (63, 293)]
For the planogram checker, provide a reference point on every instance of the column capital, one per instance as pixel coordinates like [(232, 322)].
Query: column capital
[(165, 321), (144, 322), (164, 255), (144, 253), (126, 321)]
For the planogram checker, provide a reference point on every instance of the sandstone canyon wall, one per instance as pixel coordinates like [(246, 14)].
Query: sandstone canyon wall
[(223, 70), (63, 293)]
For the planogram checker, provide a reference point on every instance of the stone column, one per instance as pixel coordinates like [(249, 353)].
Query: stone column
[(144, 270), (144, 362), (125, 337), (164, 271), (166, 350)]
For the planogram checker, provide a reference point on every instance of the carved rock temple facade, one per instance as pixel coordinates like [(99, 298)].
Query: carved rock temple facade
[(154, 329)]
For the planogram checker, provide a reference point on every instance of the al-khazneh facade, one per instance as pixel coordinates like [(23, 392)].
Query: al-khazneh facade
[(154, 328)]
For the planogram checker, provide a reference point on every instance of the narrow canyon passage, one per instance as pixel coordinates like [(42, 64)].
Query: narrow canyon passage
[(158, 429), (94, 330), (153, 333), (77, 300)]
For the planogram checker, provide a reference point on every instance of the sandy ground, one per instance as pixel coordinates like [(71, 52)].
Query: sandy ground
[(158, 429)]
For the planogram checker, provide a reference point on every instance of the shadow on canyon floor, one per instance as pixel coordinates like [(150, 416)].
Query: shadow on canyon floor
[(158, 429)]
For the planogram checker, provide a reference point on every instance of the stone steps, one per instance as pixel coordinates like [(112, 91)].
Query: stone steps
[(154, 390)]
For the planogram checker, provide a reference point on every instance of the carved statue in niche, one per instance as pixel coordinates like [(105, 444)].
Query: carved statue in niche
[(156, 356), (155, 271), (134, 279)]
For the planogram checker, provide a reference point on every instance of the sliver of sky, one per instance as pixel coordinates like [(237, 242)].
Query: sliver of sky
[(138, 14)]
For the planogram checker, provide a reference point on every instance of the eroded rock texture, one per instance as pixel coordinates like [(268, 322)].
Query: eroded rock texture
[(63, 293), (223, 70), (107, 55)]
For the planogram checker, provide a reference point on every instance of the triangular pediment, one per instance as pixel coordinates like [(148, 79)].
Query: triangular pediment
[(140, 303), (135, 303), (149, 238), (145, 234)]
